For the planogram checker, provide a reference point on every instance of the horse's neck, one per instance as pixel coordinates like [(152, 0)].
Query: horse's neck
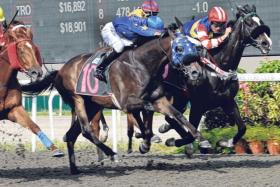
[(154, 54), (229, 56), (6, 72)]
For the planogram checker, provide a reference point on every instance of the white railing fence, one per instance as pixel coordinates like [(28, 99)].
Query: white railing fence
[(116, 114)]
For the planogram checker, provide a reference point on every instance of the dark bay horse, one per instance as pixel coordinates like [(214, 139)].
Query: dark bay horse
[(136, 85), (19, 54), (211, 92), (203, 88)]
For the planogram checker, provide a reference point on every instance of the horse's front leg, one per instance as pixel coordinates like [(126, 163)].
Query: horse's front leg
[(80, 111), (231, 109), (163, 106), (18, 115), (145, 128)]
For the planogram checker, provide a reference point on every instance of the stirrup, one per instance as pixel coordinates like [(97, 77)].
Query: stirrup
[(99, 74)]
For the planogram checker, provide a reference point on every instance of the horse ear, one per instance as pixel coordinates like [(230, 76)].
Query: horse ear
[(239, 8), (254, 8), (171, 34), (179, 23), (29, 33)]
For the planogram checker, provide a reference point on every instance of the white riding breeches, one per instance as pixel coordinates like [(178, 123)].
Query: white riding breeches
[(112, 39)]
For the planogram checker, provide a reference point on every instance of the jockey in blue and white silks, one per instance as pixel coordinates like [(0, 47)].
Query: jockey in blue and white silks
[(123, 31), (130, 28)]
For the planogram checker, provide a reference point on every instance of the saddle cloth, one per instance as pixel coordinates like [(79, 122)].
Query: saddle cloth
[(87, 84)]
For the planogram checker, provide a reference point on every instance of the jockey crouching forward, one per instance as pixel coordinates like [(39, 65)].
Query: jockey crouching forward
[(123, 31), (204, 30)]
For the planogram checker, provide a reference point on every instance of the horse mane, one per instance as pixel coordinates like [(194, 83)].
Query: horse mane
[(17, 22)]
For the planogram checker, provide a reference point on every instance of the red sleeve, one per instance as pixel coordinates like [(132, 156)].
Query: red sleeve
[(203, 37)]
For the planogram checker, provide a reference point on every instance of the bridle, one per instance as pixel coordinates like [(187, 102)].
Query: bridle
[(249, 40), (12, 46)]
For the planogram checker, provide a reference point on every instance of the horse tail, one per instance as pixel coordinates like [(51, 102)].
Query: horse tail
[(35, 88)]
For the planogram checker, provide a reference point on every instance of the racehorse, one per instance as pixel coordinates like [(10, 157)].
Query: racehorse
[(203, 88), (209, 91), (19, 54), (135, 81)]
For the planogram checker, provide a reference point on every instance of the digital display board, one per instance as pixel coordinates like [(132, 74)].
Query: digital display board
[(65, 28)]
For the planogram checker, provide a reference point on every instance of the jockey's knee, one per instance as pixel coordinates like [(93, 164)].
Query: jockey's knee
[(118, 47)]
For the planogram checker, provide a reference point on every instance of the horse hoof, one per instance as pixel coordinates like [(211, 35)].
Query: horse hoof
[(189, 150), (74, 171), (164, 128), (143, 148), (226, 143), (129, 151), (205, 144), (57, 153), (170, 142), (115, 158), (156, 139), (138, 135)]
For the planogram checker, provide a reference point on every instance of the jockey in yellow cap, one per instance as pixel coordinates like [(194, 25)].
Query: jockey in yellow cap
[(148, 8)]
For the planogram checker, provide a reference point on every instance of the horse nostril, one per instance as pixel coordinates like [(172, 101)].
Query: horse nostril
[(265, 44), (195, 73)]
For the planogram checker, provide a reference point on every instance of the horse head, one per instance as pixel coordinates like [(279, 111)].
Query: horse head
[(185, 58), (255, 32), (23, 54)]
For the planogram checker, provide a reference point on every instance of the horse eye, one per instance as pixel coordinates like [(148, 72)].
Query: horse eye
[(179, 49)]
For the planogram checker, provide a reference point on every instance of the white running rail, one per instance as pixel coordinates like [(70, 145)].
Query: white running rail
[(256, 77)]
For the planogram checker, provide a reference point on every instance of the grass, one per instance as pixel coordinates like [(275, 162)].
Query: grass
[(81, 145), (106, 112)]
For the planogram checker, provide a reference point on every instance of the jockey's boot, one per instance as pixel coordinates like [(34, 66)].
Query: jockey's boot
[(110, 56)]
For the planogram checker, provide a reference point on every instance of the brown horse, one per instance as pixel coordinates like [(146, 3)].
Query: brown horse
[(19, 54), (135, 81), (205, 91)]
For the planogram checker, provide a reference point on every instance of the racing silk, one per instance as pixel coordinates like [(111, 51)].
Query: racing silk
[(201, 30), (137, 12), (131, 27)]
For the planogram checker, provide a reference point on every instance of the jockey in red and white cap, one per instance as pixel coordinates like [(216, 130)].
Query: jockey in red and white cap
[(204, 29)]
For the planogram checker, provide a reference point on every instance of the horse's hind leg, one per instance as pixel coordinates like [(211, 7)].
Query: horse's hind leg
[(85, 126), (70, 138), (130, 130), (96, 130), (20, 116), (105, 128)]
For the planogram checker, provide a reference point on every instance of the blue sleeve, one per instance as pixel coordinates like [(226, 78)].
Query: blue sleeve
[(144, 31), (138, 20)]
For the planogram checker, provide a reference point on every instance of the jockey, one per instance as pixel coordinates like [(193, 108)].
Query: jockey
[(123, 31), (148, 8), (3, 26), (204, 30)]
